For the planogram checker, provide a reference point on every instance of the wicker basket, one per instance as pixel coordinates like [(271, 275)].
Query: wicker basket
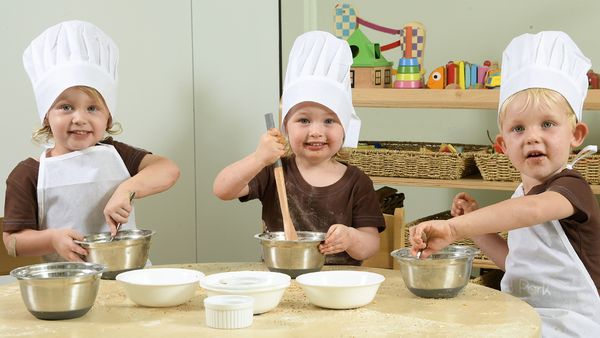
[(414, 159), (481, 260), (497, 167)]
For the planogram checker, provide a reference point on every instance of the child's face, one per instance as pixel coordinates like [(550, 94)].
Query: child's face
[(538, 138), (77, 121), (315, 133)]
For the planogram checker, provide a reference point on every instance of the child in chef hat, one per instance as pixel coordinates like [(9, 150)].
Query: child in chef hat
[(552, 256), (324, 195), (83, 181)]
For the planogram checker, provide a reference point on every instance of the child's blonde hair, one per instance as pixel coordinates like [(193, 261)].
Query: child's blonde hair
[(539, 97), (44, 134)]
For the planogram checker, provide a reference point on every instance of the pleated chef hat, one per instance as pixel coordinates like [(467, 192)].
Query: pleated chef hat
[(318, 71), (549, 60), (71, 53)]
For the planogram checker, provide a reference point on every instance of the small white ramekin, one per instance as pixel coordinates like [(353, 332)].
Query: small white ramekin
[(229, 311)]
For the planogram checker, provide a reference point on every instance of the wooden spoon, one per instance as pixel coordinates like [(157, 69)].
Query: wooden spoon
[(288, 226)]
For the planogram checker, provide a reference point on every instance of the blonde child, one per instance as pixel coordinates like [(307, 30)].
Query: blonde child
[(552, 256), (318, 118), (82, 182)]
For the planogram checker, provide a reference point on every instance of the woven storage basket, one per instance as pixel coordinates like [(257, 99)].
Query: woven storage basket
[(481, 260), (497, 167), (414, 159)]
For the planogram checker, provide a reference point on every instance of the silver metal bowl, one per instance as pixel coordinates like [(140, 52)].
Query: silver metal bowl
[(441, 275), (292, 257), (61, 290), (127, 251)]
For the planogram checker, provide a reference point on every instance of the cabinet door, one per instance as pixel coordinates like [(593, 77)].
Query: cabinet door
[(236, 81)]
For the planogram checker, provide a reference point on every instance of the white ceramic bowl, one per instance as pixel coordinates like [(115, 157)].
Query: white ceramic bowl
[(265, 287), (160, 287), (229, 311), (340, 289)]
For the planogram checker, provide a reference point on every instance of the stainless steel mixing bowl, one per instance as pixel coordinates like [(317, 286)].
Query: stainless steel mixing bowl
[(292, 257), (127, 251), (61, 290), (442, 275)]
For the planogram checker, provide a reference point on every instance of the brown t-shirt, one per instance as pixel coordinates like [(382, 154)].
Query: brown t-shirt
[(20, 203), (583, 227), (350, 201)]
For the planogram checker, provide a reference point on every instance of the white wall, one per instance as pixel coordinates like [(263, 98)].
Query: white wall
[(196, 77), (471, 30)]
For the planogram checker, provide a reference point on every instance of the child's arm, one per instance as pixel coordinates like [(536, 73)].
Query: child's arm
[(493, 246), (503, 216), (156, 174), (360, 243), (232, 181), (41, 242)]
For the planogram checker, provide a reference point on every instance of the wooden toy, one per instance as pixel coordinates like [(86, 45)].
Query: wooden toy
[(461, 74), (593, 80), (473, 83), (437, 78), (370, 69), (408, 74), (344, 21), (492, 76), (465, 75), (451, 75), (412, 35)]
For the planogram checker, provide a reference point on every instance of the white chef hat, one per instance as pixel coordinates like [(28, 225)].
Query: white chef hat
[(72, 53), (318, 71), (549, 60)]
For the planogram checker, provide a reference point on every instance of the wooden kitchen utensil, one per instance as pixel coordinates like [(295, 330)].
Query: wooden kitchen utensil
[(288, 225)]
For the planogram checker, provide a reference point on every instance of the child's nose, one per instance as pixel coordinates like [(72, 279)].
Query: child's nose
[(78, 116), (532, 135), (316, 129)]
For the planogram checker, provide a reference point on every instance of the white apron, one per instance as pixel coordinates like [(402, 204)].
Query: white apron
[(73, 190), (543, 269)]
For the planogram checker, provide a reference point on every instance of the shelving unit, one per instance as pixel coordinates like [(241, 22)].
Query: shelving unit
[(446, 98)]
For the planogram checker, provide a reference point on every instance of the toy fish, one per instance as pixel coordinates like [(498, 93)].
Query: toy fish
[(437, 78)]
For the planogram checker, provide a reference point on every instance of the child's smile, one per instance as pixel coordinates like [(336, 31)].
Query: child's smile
[(315, 146)]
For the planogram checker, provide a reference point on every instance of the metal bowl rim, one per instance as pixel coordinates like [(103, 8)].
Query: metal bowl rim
[(314, 236), (144, 234), (460, 251), (88, 269)]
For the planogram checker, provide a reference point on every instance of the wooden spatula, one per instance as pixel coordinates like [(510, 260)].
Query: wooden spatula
[(288, 226)]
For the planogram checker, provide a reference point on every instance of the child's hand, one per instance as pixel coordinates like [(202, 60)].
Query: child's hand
[(117, 210), (462, 204), (62, 242), (338, 239), (438, 235), (271, 147)]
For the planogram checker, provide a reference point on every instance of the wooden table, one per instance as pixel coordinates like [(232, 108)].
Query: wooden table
[(476, 312)]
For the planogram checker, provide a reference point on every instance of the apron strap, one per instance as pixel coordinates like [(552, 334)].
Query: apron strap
[(585, 152)]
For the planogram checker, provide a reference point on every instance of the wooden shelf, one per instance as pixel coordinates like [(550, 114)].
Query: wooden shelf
[(442, 98), (475, 182)]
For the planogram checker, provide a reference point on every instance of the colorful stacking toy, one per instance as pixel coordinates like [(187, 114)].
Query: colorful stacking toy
[(408, 75)]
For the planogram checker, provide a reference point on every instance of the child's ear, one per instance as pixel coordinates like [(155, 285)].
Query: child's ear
[(579, 133), (500, 142)]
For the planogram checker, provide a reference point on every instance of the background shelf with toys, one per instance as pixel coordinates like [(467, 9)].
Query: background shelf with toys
[(448, 99), (454, 85)]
